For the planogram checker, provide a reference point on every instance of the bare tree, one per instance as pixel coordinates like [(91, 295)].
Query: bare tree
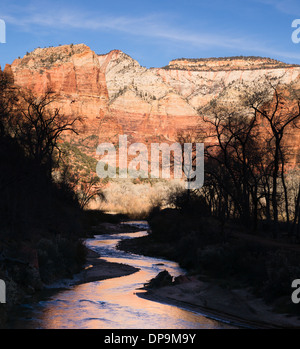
[(188, 159), (90, 189), (297, 213), (233, 147), (38, 127), (8, 99), (246, 155), (279, 106)]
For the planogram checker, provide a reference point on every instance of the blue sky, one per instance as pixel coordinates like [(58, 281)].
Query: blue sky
[(154, 32)]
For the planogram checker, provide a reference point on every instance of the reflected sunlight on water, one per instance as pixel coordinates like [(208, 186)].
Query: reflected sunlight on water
[(113, 303)]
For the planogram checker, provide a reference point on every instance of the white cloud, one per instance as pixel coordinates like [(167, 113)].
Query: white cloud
[(156, 26), (290, 7)]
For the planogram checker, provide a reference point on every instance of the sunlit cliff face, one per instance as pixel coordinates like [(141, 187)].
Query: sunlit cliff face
[(115, 95)]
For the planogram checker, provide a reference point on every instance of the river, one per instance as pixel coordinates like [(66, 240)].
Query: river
[(112, 303)]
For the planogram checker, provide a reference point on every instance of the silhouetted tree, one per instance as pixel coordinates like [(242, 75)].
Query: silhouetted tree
[(90, 189), (38, 127), (246, 155), (8, 99), (234, 151), (280, 107)]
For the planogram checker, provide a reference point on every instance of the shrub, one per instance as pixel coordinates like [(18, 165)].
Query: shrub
[(282, 268), (60, 258)]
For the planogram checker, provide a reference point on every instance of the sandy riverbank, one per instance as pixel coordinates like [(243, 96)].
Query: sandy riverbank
[(238, 306), (98, 269)]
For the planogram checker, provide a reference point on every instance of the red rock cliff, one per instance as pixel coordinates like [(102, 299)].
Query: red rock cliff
[(115, 95), (73, 73)]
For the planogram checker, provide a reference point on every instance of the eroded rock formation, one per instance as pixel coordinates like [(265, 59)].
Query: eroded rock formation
[(115, 95)]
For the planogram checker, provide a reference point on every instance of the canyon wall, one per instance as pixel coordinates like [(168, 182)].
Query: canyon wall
[(114, 94)]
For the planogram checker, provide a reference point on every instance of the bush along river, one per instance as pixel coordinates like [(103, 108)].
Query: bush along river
[(111, 303)]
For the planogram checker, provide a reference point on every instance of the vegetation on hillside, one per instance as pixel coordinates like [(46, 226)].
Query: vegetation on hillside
[(251, 63)]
